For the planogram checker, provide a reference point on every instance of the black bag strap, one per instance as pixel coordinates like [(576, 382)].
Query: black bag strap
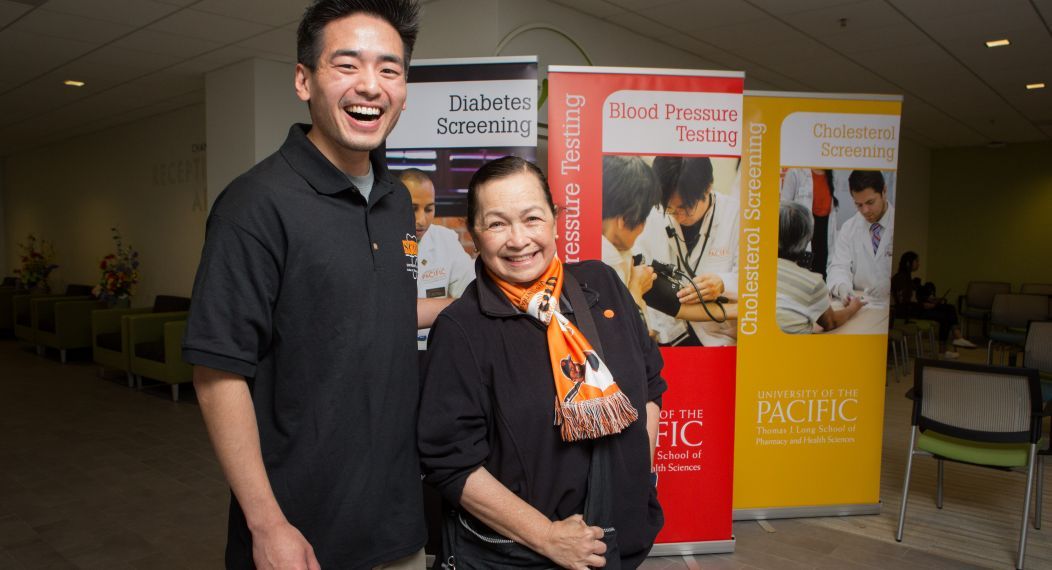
[(598, 502)]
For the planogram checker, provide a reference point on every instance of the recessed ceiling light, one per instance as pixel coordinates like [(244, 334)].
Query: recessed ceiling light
[(73, 83), (998, 43), (1035, 85)]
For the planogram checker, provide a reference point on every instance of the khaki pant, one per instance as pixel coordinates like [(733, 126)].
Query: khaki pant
[(412, 562)]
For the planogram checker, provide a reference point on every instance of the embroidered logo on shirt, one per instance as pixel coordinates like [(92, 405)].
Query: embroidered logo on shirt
[(410, 247)]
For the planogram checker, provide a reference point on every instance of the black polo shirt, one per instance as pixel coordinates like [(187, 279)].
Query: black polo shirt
[(309, 292)]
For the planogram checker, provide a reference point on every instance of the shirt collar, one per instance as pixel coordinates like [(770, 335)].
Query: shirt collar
[(493, 302), (324, 176)]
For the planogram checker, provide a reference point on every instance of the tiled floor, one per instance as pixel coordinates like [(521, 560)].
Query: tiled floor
[(96, 475)]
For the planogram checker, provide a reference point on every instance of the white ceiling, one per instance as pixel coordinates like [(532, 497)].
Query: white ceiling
[(143, 57)]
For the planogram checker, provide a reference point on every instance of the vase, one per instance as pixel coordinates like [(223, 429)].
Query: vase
[(119, 303)]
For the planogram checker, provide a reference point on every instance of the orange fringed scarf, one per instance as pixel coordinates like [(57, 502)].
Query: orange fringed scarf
[(588, 402)]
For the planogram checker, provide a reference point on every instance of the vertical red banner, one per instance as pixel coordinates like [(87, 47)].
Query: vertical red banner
[(651, 121)]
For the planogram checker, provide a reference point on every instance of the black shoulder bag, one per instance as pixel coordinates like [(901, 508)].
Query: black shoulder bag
[(470, 545)]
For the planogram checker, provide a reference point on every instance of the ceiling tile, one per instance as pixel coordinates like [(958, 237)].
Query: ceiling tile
[(9, 11), (45, 24), (598, 8), (825, 22), (134, 13), (280, 42), (269, 12), (210, 27), (781, 7), (154, 41), (693, 16), (640, 25), (995, 20), (641, 4)]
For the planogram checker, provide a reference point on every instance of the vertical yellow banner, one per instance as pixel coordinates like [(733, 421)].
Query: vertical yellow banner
[(813, 310)]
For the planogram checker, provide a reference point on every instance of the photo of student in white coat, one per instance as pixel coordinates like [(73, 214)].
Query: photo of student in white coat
[(444, 269), (695, 231), (863, 253)]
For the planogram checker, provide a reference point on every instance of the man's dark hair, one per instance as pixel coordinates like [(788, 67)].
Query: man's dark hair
[(403, 15), (691, 177), (503, 168), (862, 179), (795, 226), (630, 189)]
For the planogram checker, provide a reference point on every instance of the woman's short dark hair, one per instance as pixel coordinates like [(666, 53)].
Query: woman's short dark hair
[(691, 177), (795, 226), (906, 262), (403, 15), (503, 168), (630, 189)]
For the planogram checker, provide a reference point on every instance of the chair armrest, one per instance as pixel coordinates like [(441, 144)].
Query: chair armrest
[(149, 327), (912, 394), (109, 320), (41, 307), (960, 303)]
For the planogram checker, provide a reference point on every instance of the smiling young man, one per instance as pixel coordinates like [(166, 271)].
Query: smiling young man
[(303, 316), (862, 256)]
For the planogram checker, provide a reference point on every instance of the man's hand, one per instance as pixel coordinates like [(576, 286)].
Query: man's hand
[(573, 544), (709, 284), (641, 280), (281, 546)]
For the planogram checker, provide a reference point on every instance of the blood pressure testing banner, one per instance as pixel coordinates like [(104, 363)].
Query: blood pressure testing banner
[(810, 390), (611, 131)]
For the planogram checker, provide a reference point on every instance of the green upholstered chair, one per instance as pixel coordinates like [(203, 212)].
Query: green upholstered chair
[(63, 323), (1038, 354), (7, 315), (110, 337), (25, 322), (155, 349), (980, 415)]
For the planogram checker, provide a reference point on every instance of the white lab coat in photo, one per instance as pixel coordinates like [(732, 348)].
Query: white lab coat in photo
[(856, 268), (444, 269), (798, 186), (720, 258)]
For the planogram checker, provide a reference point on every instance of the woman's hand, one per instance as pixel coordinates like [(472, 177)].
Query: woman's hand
[(573, 544)]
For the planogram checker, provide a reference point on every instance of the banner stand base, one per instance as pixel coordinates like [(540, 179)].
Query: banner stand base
[(805, 512), (688, 548)]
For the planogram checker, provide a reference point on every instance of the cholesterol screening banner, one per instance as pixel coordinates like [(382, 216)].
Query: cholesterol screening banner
[(615, 136), (810, 398)]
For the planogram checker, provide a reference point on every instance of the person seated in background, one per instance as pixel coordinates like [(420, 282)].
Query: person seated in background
[(862, 256), (913, 300), (444, 269), (630, 192), (802, 299)]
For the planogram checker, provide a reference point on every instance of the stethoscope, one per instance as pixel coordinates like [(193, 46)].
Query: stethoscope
[(683, 260)]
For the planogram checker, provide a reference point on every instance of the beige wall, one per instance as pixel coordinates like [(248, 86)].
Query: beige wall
[(990, 216), (147, 178)]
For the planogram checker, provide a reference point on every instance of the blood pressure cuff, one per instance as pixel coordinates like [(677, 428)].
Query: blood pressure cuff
[(662, 296)]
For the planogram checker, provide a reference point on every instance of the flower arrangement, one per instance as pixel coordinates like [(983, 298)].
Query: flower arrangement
[(120, 272), (38, 261)]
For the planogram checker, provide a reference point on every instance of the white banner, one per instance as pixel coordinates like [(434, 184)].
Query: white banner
[(681, 123), (840, 140)]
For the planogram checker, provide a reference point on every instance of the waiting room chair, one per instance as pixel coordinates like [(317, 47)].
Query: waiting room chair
[(977, 302), (111, 340), (899, 351), (979, 415), (8, 291), (1036, 289), (155, 349), (1009, 317), (1037, 353), (63, 323), (22, 309)]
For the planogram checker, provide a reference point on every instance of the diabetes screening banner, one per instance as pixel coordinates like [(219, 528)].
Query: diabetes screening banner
[(810, 406), (602, 117)]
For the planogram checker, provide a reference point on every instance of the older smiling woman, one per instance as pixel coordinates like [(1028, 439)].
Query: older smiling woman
[(541, 397)]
